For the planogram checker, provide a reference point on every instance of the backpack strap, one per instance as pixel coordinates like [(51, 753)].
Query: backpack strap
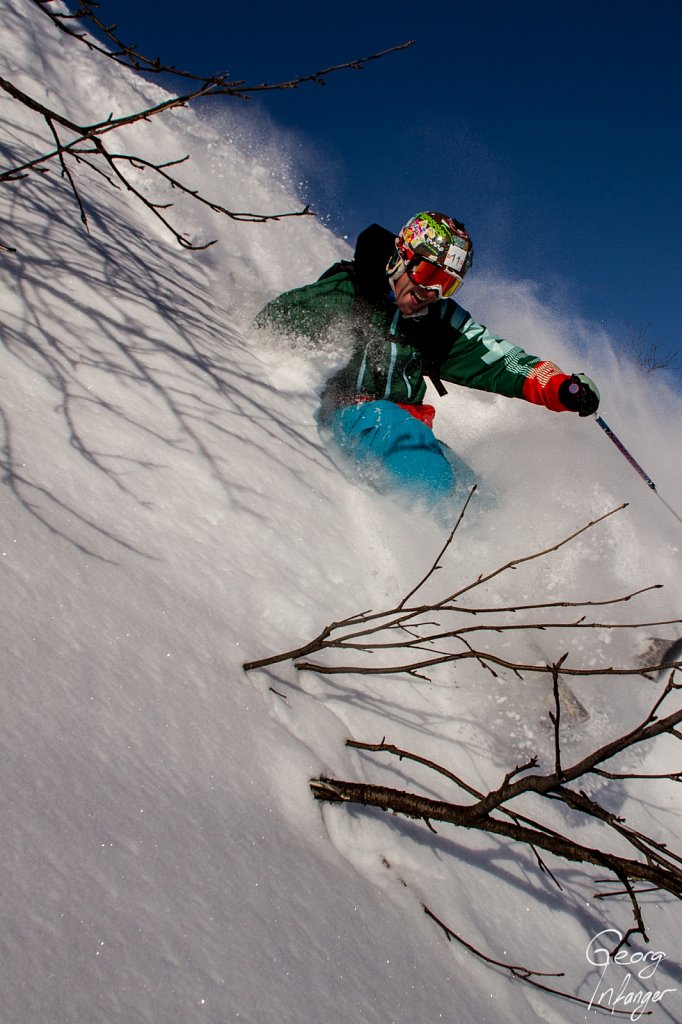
[(431, 369), (432, 336), (439, 348), (374, 248)]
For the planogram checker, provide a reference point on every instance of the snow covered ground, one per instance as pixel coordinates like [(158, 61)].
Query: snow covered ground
[(170, 512)]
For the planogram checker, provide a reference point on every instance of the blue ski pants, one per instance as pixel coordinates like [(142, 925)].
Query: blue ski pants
[(387, 440)]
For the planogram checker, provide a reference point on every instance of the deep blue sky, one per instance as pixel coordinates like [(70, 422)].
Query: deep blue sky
[(551, 128)]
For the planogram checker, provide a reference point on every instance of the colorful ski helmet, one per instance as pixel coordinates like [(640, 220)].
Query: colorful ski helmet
[(435, 250)]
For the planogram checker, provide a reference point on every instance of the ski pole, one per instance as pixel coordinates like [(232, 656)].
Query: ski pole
[(635, 465)]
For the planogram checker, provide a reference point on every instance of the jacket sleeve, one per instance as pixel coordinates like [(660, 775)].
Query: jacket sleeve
[(480, 359), (312, 309)]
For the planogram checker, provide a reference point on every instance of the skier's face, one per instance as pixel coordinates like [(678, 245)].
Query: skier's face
[(411, 298)]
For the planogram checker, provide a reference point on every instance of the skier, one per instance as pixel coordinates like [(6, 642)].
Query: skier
[(395, 297)]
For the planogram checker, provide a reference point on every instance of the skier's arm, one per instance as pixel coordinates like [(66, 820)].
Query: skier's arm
[(483, 360), (310, 310)]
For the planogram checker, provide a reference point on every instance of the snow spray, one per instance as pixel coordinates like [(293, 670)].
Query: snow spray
[(635, 465)]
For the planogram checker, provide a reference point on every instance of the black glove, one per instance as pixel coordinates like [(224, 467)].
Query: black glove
[(579, 394)]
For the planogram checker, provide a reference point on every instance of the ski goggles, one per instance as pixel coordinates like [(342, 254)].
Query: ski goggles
[(432, 276)]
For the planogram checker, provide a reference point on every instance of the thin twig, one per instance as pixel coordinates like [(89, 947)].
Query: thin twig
[(515, 562), (436, 563), (525, 974)]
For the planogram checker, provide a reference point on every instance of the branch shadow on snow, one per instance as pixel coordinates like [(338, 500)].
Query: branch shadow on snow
[(123, 363)]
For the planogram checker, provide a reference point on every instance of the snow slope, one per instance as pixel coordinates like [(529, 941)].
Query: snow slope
[(169, 512)]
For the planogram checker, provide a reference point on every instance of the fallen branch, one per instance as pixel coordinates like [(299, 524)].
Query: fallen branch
[(667, 876), (653, 861), (401, 629)]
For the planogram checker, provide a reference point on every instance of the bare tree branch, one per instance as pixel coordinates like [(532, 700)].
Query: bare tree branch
[(652, 862), (665, 876), (88, 144), (371, 632), (645, 354), (88, 149), (130, 57)]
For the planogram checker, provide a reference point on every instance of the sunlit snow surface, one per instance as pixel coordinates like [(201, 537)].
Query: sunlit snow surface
[(169, 512)]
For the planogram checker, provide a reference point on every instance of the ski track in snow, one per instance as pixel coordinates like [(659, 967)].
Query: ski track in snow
[(170, 512)]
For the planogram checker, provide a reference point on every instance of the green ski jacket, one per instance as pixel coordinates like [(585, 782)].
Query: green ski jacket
[(392, 354)]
